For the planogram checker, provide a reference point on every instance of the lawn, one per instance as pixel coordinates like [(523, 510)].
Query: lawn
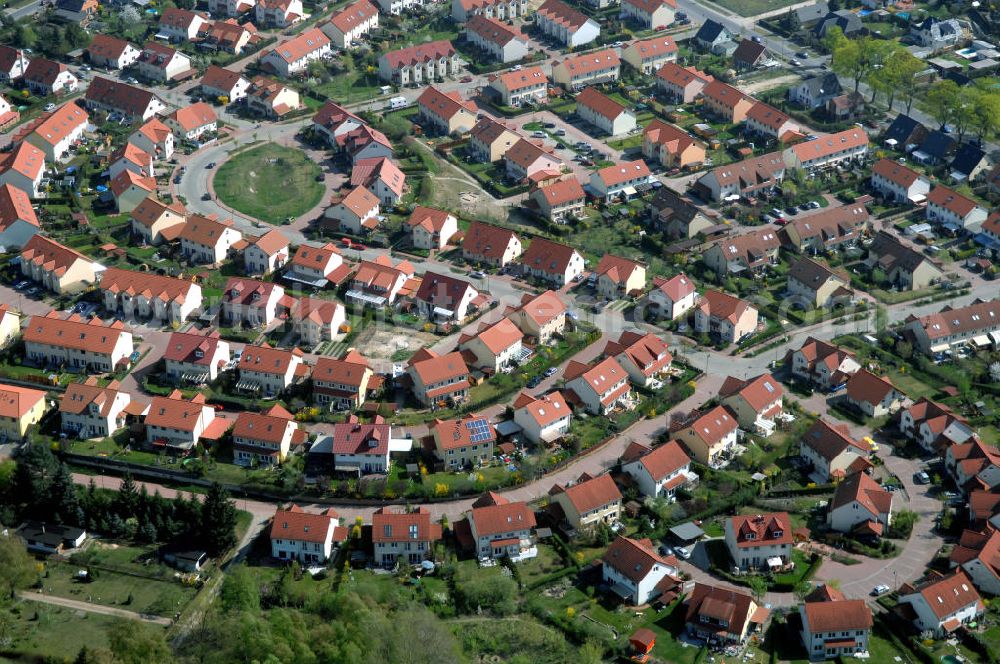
[(269, 182), (133, 593), (350, 87), (54, 632)]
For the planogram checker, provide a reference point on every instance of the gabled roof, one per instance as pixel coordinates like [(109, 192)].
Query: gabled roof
[(896, 173), (762, 529), (864, 386), (497, 337), (720, 606), (431, 220), (904, 130), (562, 14), (545, 409), (439, 368), (861, 488), (524, 153), (458, 433), (504, 518), (79, 396), (624, 172), (749, 52), (650, 6), (759, 392), (366, 171), (714, 425), (590, 493), (847, 615), (25, 159), (750, 172), (16, 401), (44, 71), (204, 231), (264, 359), (443, 290), (947, 595), (674, 74), (414, 55), (353, 15), (600, 103), (270, 426), (50, 255), (194, 116), (493, 31), (586, 63), (60, 123), (710, 31), (15, 205), (831, 144), (654, 46), (830, 440), (562, 192), (445, 105), (241, 291), (717, 304), (676, 288), (271, 242), (767, 116), (391, 526), (979, 315), (148, 284), (635, 559), (193, 347), (891, 253), (524, 78), (617, 268), (349, 369), (298, 47), (486, 240), (543, 307), (951, 200), (297, 525), (810, 273), (92, 336), (724, 94), (548, 256), (661, 133), (660, 462)]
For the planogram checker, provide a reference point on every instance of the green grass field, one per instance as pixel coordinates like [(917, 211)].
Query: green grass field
[(132, 593), (752, 7), (269, 182), (52, 631)]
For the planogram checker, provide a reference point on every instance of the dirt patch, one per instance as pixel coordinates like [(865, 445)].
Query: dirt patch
[(769, 84), (386, 343)]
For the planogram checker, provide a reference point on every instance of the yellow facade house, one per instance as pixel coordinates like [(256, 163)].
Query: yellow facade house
[(20, 407)]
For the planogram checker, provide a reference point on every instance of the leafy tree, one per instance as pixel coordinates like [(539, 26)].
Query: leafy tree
[(901, 69), (17, 568), (240, 591), (493, 593), (802, 590), (138, 643), (986, 114), (25, 36), (590, 652), (758, 587), (940, 100), (218, 520)]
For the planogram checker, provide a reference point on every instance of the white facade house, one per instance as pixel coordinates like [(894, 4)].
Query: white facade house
[(565, 24), (762, 541), (659, 472), (637, 572), (542, 419), (308, 538), (293, 56), (91, 411), (943, 605), (673, 297)]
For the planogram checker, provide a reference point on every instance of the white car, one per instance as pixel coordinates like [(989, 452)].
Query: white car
[(682, 552), (880, 589)]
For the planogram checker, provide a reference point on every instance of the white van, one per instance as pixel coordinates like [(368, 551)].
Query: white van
[(398, 102)]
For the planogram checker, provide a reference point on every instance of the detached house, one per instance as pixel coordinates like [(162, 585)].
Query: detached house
[(756, 402), (343, 383), (147, 295), (182, 24), (713, 37), (977, 554), (431, 228), (91, 411), (816, 286), (309, 538), (23, 168), (265, 439), (638, 574), (898, 183), (74, 342), (294, 55), (490, 140), (490, 245), (722, 617), (13, 63), (278, 13), (710, 438), (332, 121), (669, 146), (444, 297), (316, 266), (601, 388), (57, 268), (763, 541), (835, 629), (447, 113), (250, 302), (553, 262), (408, 536), (195, 358), (604, 112), (816, 91), (20, 408), (860, 506), (464, 442), (943, 604), (619, 277), (493, 347), (229, 36), (129, 188), (501, 528), (529, 161), (749, 55), (724, 317), (544, 419), (154, 222), (540, 317), (565, 24), (765, 120), (973, 465), (438, 378), (381, 176), (268, 371), (643, 356), (832, 452), (673, 297), (658, 472), (946, 206)]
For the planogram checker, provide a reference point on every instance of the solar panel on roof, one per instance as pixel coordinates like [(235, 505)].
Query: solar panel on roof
[(479, 430)]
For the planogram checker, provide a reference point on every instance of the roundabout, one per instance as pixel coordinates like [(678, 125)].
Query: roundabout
[(270, 182)]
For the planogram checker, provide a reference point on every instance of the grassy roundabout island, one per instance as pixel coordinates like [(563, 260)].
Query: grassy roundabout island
[(269, 182)]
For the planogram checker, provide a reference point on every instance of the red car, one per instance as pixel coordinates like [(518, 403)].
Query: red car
[(466, 79)]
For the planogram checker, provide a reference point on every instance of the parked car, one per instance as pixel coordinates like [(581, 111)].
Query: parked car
[(880, 589), (551, 371), (922, 478), (50, 107), (538, 134), (476, 274), (534, 381), (560, 132), (682, 552)]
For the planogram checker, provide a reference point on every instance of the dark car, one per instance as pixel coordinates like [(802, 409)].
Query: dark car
[(791, 209), (534, 381)]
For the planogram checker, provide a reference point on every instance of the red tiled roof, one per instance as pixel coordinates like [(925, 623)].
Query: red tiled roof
[(486, 240), (391, 526), (297, 525), (624, 172), (838, 616), (600, 103), (767, 529), (419, 54), (590, 493), (951, 200), (504, 518), (824, 146), (676, 288)]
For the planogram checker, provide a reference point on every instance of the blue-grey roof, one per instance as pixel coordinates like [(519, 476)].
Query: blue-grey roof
[(710, 31), (812, 13), (967, 159), (938, 144), (902, 129), (823, 84)]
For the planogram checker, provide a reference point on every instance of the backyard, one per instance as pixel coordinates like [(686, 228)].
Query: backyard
[(132, 592), (269, 182)]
